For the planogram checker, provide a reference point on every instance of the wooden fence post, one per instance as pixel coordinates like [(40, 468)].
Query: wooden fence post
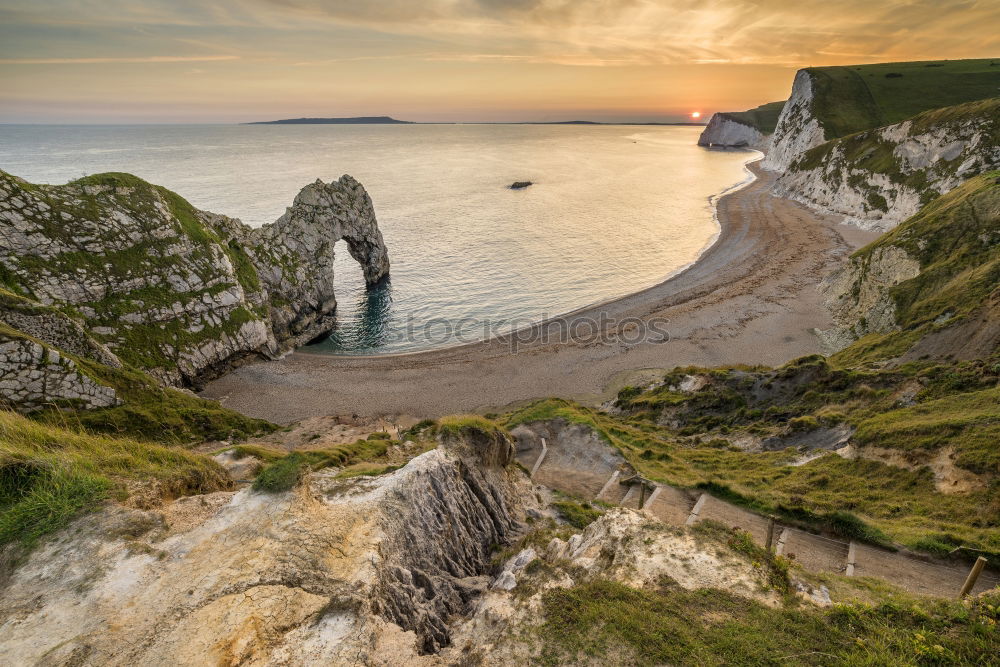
[(693, 516), (970, 581), (851, 558), (770, 533), (538, 461)]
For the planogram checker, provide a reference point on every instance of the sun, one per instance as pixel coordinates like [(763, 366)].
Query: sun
[(696, 115)]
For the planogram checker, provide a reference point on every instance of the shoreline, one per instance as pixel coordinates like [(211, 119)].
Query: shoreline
[(581, 311), (749, 298)]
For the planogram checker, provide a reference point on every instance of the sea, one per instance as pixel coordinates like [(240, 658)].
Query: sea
[(612, 209)]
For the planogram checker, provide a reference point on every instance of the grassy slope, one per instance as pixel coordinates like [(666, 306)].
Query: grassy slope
[(617, 624), (596, 620), (48, 474), (688, 440), (955, 239), (763, 118), (854, 98)]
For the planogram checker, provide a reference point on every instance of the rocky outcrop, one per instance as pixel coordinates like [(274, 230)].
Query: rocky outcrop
[(742, 129), (798, 128), (726, 132), (33, 376), (878, 178), (367, 570), (858, 294), (175, 291)]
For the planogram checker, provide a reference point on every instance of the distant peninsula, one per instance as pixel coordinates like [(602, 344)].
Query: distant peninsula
[(357, 120), (388, 120)]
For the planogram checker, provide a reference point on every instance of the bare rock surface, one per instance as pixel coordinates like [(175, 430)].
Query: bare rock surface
[(858, 294), (33, 375), (369, 570), (798, 129)]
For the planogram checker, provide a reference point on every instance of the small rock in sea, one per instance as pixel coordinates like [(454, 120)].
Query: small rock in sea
[(520, 185)]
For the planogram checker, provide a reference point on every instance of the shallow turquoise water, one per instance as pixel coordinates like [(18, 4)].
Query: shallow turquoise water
[(613, 209)]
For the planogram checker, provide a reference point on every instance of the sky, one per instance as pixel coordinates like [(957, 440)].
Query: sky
[(148, 61)]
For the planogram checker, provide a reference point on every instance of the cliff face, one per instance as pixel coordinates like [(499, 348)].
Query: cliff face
[(832, 102), (878, 178), (178, 292), (742, 129), (727, 132), (929, 288), (798, 129)]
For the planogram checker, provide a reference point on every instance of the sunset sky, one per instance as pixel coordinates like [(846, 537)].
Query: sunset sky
[(449, 60)]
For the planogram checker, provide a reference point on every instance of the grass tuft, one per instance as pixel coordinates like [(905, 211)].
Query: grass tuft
[(50, 475), (283, 474)]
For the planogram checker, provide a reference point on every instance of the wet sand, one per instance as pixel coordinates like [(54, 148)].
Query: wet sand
[(750, 299)]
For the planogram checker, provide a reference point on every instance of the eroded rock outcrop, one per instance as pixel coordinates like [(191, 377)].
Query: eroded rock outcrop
[(33, 376), (858, 294), (364, 569), (175, 291)]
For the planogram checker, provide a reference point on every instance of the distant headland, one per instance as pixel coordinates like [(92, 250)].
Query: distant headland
[(388, 120), (357, 120)]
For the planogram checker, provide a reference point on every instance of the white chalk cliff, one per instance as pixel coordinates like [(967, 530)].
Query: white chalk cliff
[(725, 131), (878, 178), (798, 129)]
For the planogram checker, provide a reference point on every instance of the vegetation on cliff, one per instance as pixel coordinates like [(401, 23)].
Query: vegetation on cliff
[(51, 474), (854, 98), (763, 118), (957, 243), (618, 624)]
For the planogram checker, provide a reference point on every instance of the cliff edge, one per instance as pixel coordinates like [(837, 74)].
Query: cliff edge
[(832, 102), (742, 129), (877, 178)]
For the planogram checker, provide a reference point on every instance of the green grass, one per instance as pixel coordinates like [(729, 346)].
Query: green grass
[(153, 412), (149, 411), (968, 422), (608, 622), (578, 515), (284, 473), (465, 425), (855, 98), (49, 475), (764, 118)]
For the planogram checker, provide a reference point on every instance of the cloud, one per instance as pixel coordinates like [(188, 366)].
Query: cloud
[(566, 32), (101, 61)]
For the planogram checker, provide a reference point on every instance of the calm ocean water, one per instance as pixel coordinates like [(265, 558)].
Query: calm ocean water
[(613, 209)]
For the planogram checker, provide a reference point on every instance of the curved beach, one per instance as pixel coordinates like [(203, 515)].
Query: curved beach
[(750, 298)]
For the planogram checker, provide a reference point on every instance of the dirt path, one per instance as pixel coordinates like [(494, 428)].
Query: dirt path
[(576, 463), (751, 298)]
